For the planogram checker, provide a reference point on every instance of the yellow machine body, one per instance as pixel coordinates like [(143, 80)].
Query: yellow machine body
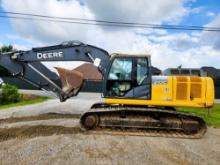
[(175, 91)]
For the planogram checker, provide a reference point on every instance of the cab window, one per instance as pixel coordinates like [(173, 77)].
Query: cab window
[(120, 77), (142, 71), (121, 69)]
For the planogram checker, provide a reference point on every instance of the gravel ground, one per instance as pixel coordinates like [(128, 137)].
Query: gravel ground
[(83, 148), (59, 141)]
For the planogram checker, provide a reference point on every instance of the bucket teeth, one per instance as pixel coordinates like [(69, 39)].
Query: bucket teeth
[(71, 80)]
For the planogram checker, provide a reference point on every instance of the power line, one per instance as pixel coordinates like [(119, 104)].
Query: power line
[(102, 21), (31, 17), (112, 25)]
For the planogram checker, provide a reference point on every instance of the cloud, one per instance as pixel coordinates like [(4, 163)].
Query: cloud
[(137, 11), (49, 32), (178, 41), (197, 10), (122, 10), (167, 49), (212, 38), (210, 14), (43, 33)]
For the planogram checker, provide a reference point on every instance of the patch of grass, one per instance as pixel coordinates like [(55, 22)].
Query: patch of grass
[(25, 102), (212, 120)]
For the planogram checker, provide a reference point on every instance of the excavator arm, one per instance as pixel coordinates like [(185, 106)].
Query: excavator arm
[(28, 66)]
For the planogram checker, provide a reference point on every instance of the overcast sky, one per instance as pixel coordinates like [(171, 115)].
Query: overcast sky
[(168, 48)]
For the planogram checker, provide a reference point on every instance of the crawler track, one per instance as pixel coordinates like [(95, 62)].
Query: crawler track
[(143, 121)]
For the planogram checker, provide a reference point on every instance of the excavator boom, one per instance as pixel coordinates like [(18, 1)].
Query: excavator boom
[(27, 66)]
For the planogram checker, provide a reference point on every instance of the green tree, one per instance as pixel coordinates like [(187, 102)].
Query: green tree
[(9, 94), (5, 49)]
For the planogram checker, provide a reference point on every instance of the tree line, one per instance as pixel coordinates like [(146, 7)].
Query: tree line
[(5, 49)]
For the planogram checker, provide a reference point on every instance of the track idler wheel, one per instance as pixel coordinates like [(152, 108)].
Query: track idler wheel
[(90, 121), (190, 127)]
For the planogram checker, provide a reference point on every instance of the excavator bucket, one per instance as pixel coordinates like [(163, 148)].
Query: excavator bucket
[(71, 80)]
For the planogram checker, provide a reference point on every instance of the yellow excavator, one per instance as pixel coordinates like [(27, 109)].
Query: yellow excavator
[(135, 102)]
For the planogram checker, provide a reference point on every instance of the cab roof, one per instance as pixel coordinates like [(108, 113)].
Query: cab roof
[(130, 55)]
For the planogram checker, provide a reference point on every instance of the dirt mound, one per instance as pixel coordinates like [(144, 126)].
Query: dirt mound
[(33, 131), (45, 116), (27, 131)]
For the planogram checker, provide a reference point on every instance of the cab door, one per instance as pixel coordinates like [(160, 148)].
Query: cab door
[(142, 80), (119, 79), (128, 77)]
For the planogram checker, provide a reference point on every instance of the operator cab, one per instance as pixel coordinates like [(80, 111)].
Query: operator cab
[(128, 76)]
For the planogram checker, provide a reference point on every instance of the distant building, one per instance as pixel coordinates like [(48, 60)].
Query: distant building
[(92, 77), (215, 74), (155, 71), (211, 71), (183, 71)]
